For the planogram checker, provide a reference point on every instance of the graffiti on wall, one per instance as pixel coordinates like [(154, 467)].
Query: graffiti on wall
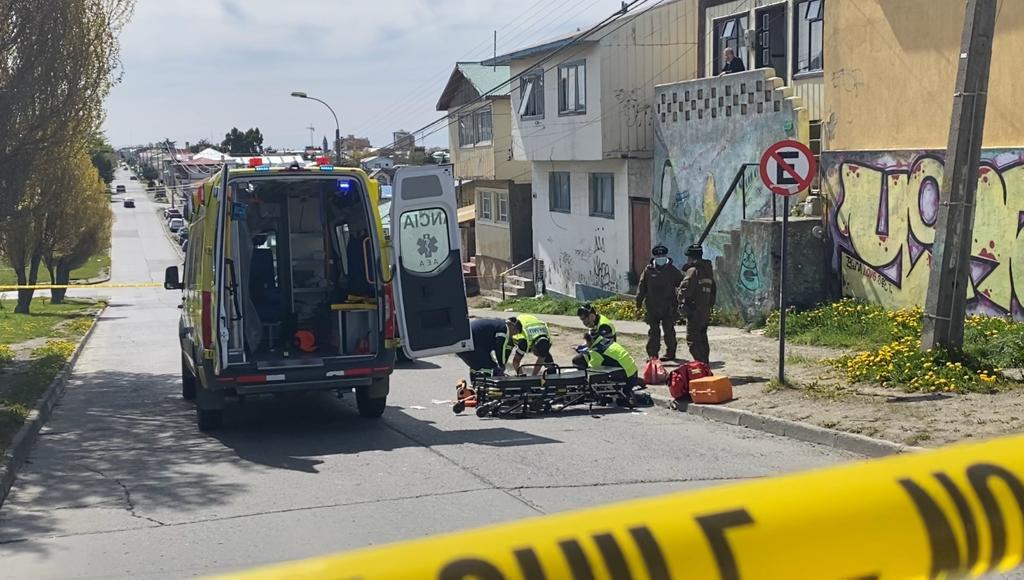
[(883, 225), (589, 263), (706, 130)]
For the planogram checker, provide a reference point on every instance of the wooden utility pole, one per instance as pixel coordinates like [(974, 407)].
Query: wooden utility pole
[(946, 306)]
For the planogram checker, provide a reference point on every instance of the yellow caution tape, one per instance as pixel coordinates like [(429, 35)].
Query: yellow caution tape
[(79, 286), (958, 511)]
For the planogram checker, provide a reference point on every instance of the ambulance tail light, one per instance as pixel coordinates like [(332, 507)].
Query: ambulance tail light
[(206, 321), (390, 322)]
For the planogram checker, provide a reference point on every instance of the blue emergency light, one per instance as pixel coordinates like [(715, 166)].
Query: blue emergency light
[(344, 185), (263, 168), (326, 168)]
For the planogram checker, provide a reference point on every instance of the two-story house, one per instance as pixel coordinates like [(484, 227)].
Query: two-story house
[(584, 120), (480, 134)]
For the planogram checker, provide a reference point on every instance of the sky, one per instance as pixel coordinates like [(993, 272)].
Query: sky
[(193, 69)]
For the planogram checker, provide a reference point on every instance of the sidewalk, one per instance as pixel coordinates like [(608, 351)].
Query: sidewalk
[(818, 404)]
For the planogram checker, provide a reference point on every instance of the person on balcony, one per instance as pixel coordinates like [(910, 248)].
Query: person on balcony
[(733, 63)]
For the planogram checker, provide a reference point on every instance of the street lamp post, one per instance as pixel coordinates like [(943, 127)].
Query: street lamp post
[(337, 126)]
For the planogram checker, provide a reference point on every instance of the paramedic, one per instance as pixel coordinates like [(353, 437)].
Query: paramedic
[(530, 335), (607, 353), (656, 294), (697, 298), (491, 346), (598, 327)]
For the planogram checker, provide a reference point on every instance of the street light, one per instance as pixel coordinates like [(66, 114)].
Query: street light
[(337, 126)]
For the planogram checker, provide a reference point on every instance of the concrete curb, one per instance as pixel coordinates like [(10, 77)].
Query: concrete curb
[(15, 455), (851, 442)]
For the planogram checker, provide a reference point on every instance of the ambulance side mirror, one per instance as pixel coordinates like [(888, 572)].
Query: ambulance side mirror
[(172, 281)]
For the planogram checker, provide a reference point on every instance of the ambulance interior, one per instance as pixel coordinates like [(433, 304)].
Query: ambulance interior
[(304, 282)]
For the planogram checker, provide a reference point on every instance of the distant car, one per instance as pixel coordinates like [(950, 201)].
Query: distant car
[(133, 178), (175, 224), (182, 234), (172, 212), (120, 189), (129, 202)]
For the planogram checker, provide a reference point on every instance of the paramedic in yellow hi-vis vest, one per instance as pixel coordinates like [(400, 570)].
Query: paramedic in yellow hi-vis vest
[(598, 327), (530, 335), (606, 353)]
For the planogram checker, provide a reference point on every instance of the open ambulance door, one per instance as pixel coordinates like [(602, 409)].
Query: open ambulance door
[(218, 310), (430, 292)]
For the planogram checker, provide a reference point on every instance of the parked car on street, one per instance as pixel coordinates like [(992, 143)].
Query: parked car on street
[(120, 189), (175, 224), (182, 235), (129, 202), (172, 212), (133, 178)]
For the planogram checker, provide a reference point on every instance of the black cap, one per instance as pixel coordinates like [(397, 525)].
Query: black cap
[(586, 308), (659, 251), (695, 251)]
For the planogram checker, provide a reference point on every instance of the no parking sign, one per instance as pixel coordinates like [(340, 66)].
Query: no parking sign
[(788, 167)]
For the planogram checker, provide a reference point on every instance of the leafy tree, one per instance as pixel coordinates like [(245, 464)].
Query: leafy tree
[(240, 144), (77, 226), (201, 145), (150, 173), (103, 157)]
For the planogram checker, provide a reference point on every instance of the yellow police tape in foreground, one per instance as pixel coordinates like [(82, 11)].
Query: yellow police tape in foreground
[(958, 511)]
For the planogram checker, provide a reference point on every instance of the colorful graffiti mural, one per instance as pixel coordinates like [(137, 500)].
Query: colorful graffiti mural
[(706, 130), (883, 225)]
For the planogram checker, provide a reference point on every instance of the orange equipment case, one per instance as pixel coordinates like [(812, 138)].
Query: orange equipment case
[(711, 390)]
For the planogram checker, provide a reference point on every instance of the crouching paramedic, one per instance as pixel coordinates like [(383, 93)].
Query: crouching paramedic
[(607, 353), (598, 327), (491, 346), (530, 335)]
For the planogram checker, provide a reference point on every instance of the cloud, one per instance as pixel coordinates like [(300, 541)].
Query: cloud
[(194, 68)]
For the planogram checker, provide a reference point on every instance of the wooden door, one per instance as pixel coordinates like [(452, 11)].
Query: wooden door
[(640, 232)]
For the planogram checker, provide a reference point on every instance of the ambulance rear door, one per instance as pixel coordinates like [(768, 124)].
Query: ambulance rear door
[(430, 292)]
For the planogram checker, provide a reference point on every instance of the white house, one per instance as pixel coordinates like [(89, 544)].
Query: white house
[(584, 121), (377, 162)]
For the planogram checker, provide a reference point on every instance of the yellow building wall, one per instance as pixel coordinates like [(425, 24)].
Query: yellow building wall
[(890, 71), (505, 168)]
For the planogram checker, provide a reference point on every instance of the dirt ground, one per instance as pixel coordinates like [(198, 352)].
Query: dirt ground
[(817, 394)]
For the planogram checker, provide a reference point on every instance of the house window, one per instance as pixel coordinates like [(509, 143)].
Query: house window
[(483, 125), (502, 207), (602, 194), (559, 193), (809, 36), (475, 128), (572, 89), (729, 33), (486, 211), (531, 95)]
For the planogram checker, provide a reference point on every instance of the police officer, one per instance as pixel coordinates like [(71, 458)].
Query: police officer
[(656, 294), (608, 353), (598, 326), (530, 335), (697, 297), (491, 346)]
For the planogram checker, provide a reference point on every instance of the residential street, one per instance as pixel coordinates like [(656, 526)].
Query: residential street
[(122, 484)]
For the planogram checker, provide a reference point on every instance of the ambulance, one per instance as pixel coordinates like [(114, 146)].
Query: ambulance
[(290, 284)]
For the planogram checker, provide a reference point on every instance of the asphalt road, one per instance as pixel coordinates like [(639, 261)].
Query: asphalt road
[(121, 484)]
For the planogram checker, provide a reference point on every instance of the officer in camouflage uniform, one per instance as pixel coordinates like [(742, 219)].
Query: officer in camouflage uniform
[(696, 299)]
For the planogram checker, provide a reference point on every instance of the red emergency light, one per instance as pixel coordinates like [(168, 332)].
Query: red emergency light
[(323, 160), (255, 162)]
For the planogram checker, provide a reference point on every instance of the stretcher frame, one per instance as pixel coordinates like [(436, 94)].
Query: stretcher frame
[(553, 391)]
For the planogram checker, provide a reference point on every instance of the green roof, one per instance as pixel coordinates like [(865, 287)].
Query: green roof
[(481, 78), (485, 78)]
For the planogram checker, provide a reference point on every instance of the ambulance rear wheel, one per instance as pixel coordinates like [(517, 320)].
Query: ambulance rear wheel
[(188, 381), (369, 406)]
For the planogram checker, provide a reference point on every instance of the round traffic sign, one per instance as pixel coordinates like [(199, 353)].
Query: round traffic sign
[(788, 167)]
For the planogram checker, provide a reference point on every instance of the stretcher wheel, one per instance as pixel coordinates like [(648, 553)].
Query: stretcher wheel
[(484, 410), (459, 407)]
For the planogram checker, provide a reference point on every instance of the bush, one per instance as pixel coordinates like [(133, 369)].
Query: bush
[(6, 355), (891, 349), (54, 354)]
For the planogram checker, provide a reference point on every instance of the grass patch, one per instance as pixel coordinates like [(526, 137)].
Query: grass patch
[(890, 353), (799, 359), (24, 384), (73, 317), (92, 269)]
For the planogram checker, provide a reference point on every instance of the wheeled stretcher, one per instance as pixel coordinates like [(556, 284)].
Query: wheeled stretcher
[(555, 390)]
